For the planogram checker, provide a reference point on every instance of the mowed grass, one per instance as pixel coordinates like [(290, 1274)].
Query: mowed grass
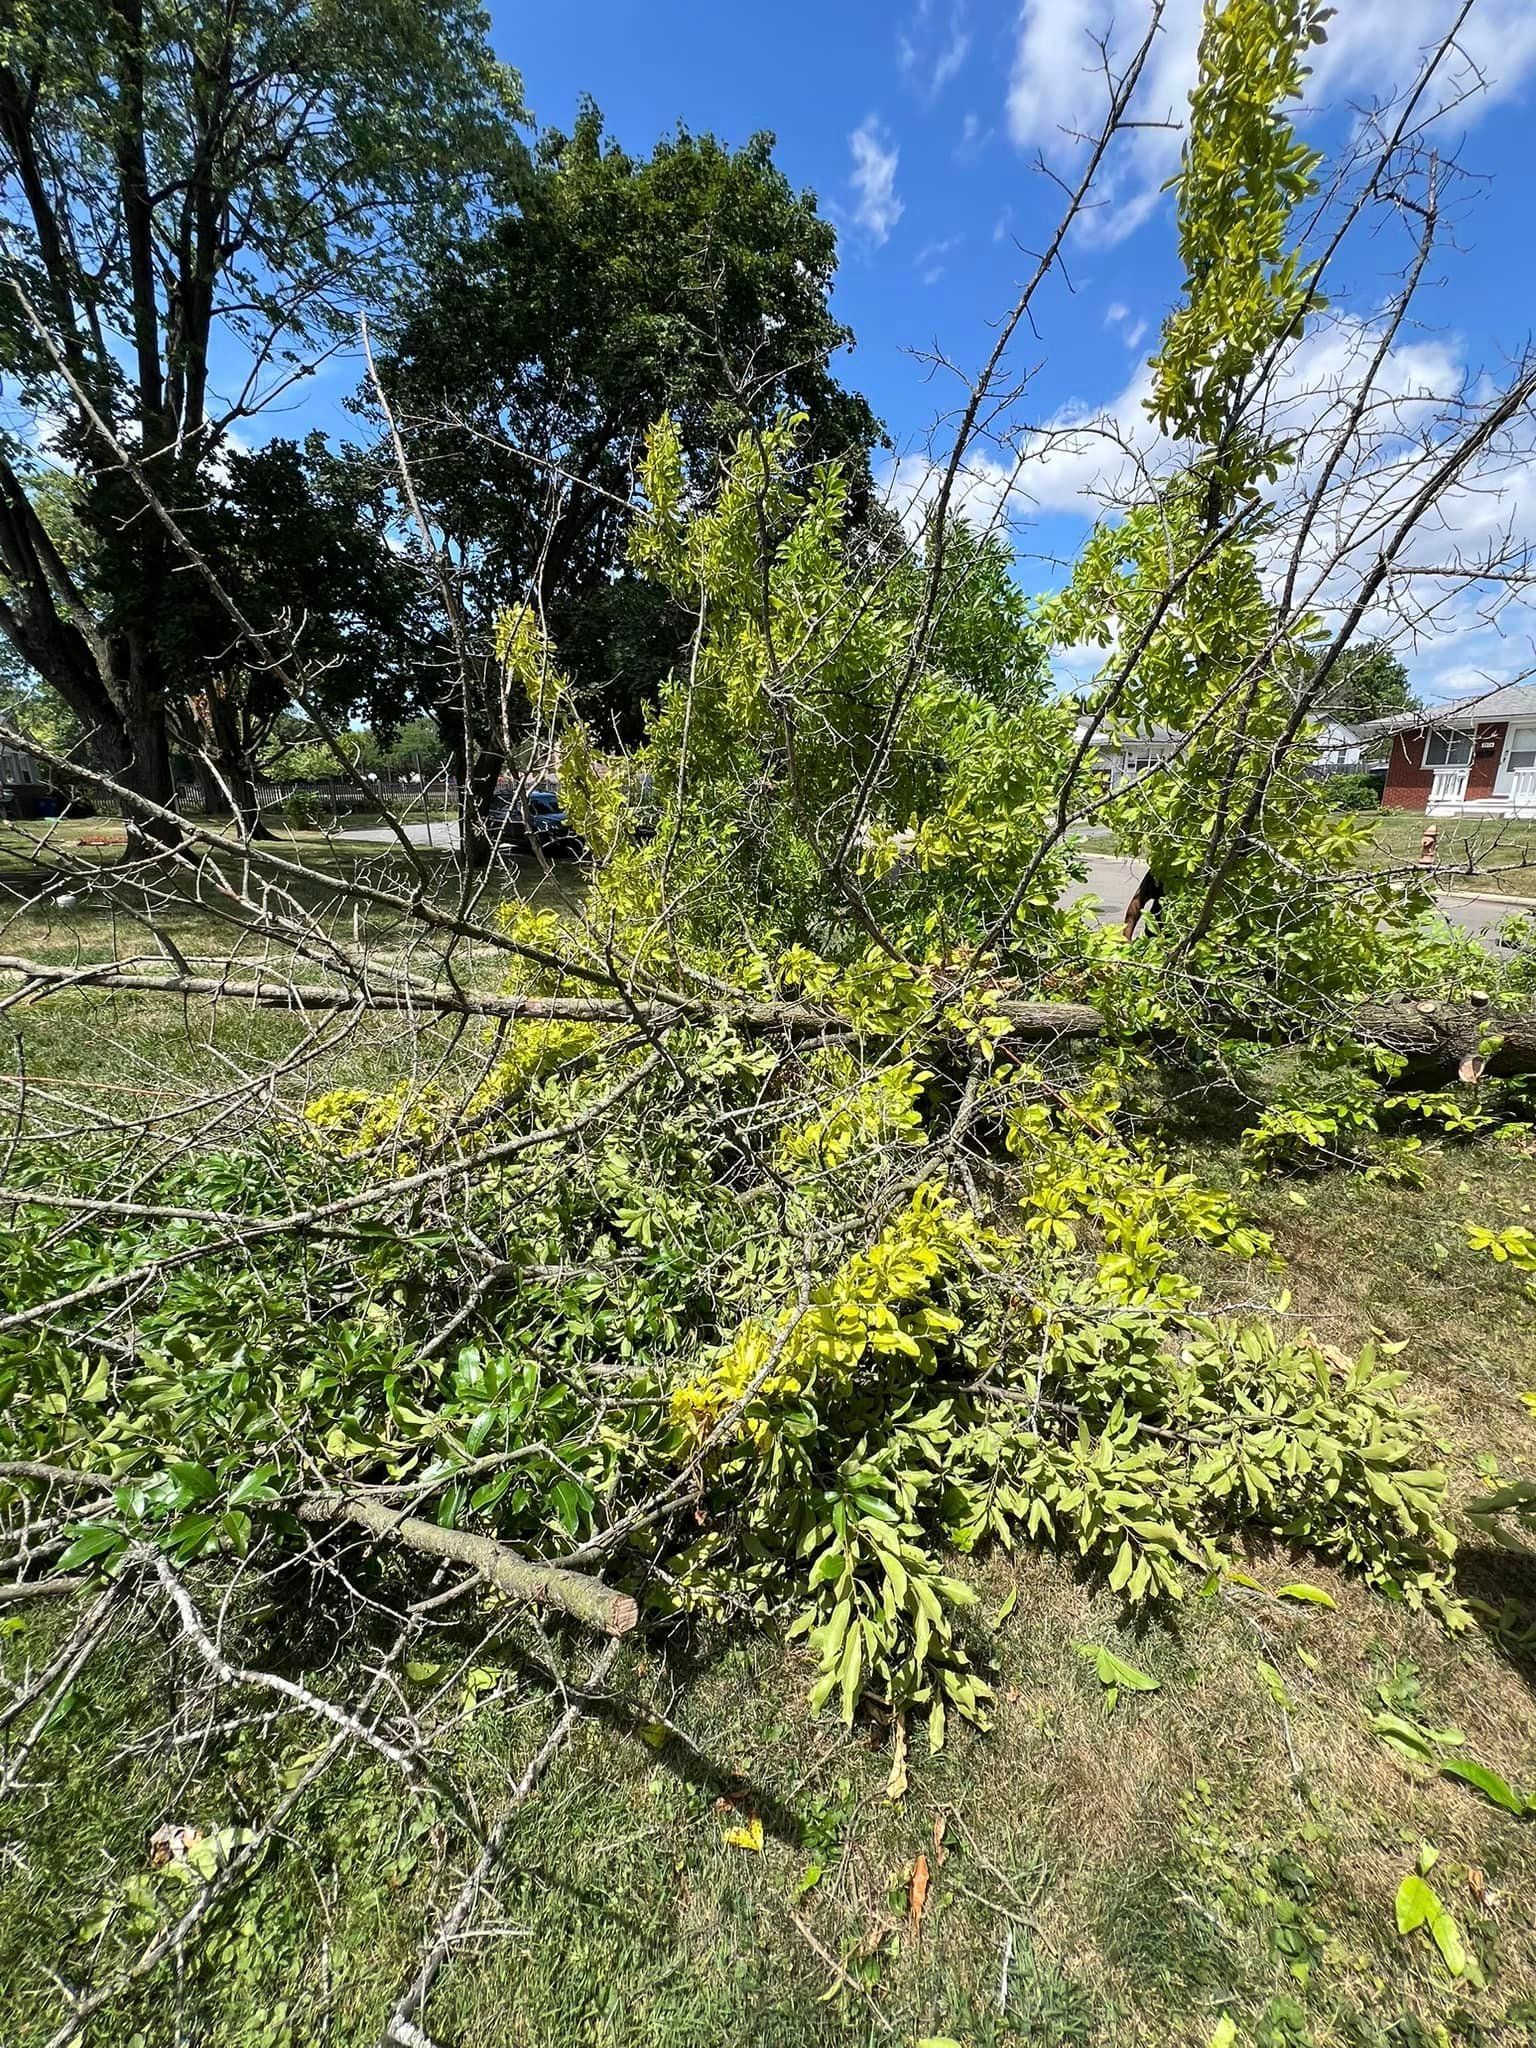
[(135, 1053), (1226, 1847), (1492, 856)]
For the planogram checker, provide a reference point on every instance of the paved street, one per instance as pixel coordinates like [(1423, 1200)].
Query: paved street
[(1110, 878)]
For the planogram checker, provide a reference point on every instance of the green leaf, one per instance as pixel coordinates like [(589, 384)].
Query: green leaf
[(1416, 1904), (568, 1503), (1489, 1783), (256, 1485), (196, 1481), (853, 1671), (89, 1544), (1275, 1683), (1403, 1737), (1313, 1595), (1447, 1938), (1114, 1671)]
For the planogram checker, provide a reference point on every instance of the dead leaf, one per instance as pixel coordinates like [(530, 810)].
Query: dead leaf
[(896, 1783), (1477, 1885), (940, 1853), (1471, 1069), (917, 1892), (170, 1843)]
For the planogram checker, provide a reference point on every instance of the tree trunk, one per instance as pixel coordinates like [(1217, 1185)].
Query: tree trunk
[(476, 792), (221, 757), (136, 752), (477, 770), (211, 791)]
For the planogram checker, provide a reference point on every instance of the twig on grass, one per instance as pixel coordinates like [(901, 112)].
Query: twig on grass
[(401, 2029)]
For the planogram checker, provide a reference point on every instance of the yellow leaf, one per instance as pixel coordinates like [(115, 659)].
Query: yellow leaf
[(748, 1837)]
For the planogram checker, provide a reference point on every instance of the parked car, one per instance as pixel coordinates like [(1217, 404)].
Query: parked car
[(521, 821)]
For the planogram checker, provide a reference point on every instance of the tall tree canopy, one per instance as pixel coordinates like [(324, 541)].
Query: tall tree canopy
[(297, 536), (1369, 681), (693, 282), (195, 197)]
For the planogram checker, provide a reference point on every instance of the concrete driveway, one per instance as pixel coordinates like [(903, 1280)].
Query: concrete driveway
[(442, 833)]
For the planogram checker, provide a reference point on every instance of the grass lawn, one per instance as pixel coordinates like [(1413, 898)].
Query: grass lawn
[(1230, 1844), (1227, 1846), (1496, 856)]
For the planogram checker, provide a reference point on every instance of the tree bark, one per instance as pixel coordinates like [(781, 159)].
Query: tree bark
[(136, 752), (477, 770), (1442, 1038), (111, 683), (546, 1585), (1436, 1038), (221, 758)]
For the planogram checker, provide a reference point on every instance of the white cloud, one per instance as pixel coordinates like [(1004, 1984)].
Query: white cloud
[(981, 494), (973, 139), (1057, 93), (874, 180), (929, 260), (1459, 630), (931, 60), (949, 61), (1131, 330)]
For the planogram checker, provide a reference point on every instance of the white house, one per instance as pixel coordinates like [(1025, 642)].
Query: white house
[(1124, 755)]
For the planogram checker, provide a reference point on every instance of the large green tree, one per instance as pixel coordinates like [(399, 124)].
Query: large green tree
[(195, 197), (1369, 681), (693, 282), (298, 537)]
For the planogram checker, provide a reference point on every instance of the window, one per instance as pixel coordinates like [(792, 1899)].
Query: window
[(1447, 749), (1522, 748)]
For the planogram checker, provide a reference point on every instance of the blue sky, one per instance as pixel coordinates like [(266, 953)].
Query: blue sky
[(919, 130)]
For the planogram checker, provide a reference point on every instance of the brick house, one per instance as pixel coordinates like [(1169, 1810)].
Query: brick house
[(1472, 759)]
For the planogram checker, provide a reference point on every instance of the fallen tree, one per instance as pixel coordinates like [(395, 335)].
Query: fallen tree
[(573, 1593), (748, 1227), (1435, 1038)]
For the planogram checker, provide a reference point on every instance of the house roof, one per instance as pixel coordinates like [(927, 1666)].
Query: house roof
[(1514, 700), (1112, 735)]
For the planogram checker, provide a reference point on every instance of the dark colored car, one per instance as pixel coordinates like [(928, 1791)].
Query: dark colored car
[(522, 821)]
